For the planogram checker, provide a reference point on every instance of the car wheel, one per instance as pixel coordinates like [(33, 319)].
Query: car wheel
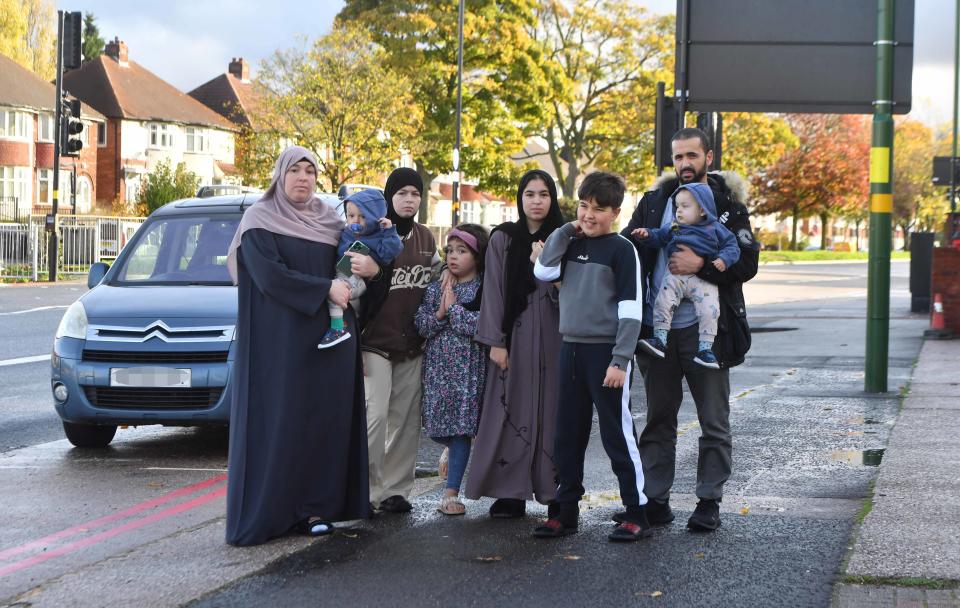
[(89, 435)]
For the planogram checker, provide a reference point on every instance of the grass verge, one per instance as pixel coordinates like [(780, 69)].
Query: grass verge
[(900, 581), (823, 256)]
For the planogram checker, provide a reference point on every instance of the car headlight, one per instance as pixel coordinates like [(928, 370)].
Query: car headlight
[(74, 322)]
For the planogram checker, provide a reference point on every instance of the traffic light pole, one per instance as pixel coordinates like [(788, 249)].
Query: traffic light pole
[(51, 224), (881, 207)]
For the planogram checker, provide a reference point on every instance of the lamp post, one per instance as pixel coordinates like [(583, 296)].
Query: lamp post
[(456, 145)]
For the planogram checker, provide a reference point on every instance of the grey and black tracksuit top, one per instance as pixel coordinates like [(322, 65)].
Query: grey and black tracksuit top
[(600, 299)]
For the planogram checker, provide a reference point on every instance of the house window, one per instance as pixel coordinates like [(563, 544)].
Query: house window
[(45, 186), (15, 125), (161, 136), (46, 127), (15, 184), (102, 134), (198, 140)]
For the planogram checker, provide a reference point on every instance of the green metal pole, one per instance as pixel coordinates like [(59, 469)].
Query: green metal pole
[(956, 93), (881, 206)]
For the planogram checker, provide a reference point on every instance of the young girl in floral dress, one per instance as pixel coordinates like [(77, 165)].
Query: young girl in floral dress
[(454, 365)]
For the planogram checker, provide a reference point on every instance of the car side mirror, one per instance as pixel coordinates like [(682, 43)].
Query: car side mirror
[(97, 272)]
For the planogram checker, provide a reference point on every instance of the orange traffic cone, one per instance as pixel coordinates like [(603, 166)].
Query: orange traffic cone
[(936, 319)]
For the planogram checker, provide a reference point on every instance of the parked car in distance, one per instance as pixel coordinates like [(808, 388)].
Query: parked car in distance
[(224, 189), (348, 189), (152, 341)]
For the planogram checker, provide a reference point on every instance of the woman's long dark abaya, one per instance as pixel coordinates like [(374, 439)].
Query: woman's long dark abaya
[(298, 444)]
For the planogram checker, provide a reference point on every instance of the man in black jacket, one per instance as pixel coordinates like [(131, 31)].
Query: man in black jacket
[(663, 377)]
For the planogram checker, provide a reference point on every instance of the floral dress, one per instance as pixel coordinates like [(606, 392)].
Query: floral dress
[(454, 366)]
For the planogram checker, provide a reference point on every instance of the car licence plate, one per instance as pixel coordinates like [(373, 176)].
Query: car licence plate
[(150, 377)]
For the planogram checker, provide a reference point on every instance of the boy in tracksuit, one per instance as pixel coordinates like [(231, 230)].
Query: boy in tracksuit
[(600, 312)]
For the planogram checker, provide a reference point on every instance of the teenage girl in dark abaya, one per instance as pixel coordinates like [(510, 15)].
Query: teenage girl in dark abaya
[(298, 441), (519, 321)]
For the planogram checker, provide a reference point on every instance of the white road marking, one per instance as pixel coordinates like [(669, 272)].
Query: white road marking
[(19, 360), (38, 309)]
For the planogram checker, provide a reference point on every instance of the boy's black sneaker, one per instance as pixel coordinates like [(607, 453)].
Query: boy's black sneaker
[(653, 346), (658, 513), (706, 517), (706, 358)]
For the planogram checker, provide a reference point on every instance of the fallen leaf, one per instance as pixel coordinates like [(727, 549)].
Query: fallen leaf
[(700, 554), (154, 484), (571, 557), (350, 535), (656, 594), (491, 558), (744, 510)]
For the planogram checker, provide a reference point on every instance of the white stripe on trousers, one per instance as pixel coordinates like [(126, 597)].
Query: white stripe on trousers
[(626, 423)]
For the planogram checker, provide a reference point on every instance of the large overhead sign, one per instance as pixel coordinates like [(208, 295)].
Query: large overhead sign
[(787, 56)]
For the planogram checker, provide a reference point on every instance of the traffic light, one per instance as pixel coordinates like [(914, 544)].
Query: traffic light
[(70, 128), (72, 35)]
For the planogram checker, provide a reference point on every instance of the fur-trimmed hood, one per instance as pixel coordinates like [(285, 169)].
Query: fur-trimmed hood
[(730, 181)]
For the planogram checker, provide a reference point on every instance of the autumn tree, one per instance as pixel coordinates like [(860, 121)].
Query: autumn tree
[(92, 45), (337, 99), (825, 175), (917, 205), (28, 35), (610, 56), (506, 80)]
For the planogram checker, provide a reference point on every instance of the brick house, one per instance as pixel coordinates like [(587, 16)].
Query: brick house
[(232, 95), (26, 148), (148, 120)]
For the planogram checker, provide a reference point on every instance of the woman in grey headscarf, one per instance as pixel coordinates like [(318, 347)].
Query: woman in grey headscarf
[(298, 447)]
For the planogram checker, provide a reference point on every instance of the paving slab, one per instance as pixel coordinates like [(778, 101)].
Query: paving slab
[(913, 529)]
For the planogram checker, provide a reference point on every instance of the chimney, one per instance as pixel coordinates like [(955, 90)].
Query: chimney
[(240, 68), (116, 49)]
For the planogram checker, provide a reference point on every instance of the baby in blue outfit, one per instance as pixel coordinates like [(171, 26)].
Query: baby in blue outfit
[(367, 223), (696, 226)]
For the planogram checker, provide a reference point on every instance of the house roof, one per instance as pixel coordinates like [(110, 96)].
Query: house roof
[(21, 88), (227, 95), (133, 92)]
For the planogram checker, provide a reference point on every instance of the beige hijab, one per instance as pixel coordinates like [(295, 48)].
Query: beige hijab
[(313, 220)]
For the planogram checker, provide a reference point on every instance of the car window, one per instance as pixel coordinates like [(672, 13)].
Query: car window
[(180, 250)]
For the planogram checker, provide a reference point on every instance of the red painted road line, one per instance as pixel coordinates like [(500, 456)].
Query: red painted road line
[(97, 538), (41, 543)]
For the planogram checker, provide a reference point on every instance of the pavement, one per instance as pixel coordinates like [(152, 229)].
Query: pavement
[(907, 549), (141, 523)]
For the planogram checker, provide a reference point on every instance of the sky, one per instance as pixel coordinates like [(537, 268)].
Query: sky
[(188, 42)]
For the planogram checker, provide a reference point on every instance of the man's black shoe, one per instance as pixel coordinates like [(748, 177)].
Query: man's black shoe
[(706, 517), (396, 504), (658, 513)]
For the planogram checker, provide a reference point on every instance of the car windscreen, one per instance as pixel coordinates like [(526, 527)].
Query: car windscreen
[(180, 250)]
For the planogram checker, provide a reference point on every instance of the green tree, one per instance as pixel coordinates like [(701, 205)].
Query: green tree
[(92, 42), (611, 55), (338, 100), (507, 80), (753, 141), (165, 184)]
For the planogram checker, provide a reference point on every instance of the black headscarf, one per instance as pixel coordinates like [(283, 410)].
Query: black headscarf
[(519, 281), (401, 178)]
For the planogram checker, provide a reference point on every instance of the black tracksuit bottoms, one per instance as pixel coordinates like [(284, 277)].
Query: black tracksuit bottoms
[(582, 369)]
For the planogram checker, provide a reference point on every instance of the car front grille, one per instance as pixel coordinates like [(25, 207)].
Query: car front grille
[(119, 356), (153, 398)]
